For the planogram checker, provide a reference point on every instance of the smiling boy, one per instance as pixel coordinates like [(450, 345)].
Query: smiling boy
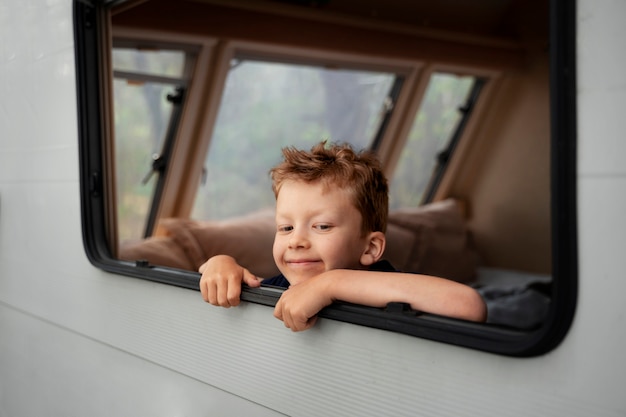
[(331, 215)]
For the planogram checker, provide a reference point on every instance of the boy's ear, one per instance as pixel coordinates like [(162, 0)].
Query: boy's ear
[(374, 249)]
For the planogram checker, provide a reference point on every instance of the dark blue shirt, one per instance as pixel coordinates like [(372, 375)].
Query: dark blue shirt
[(281, 281)]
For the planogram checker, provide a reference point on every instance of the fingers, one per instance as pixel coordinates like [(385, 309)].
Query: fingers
[(251, 279), (228, 292), (298, 324), (221, 280), (293, 319), (223, 290)]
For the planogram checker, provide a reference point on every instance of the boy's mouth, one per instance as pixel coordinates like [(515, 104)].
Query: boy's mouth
[(302, 262)]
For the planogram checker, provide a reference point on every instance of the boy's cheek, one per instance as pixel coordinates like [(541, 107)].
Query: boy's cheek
[(277, 253)]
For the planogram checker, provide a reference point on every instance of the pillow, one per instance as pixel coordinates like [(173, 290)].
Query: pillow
[(187, 244), (248, 239), (441, 244), (399, 246), (162, 251)]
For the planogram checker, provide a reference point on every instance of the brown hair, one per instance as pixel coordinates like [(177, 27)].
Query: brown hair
[(339, 165)]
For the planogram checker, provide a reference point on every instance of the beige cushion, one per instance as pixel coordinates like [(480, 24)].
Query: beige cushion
[(442, 244), (399, 246), (187, 244), (161, 250)]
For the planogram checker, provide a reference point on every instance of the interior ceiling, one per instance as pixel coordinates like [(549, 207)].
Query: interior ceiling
[(441, 13), (491, 18)]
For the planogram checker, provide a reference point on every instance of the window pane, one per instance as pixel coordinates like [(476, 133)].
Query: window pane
[(142, 114), (152, 62), (432, 130), (267, 106)]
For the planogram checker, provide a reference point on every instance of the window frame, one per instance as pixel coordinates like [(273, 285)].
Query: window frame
[(90, 26)]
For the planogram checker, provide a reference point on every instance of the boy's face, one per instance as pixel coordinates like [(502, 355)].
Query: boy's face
[(318, 228)]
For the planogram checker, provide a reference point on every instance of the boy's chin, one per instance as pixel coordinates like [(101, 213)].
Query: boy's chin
[(295, 279)]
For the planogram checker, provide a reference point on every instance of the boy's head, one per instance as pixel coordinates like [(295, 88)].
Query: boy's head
[(359, 173), (331, 211)]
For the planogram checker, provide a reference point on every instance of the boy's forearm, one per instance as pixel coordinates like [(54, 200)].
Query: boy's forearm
[(424, 293)]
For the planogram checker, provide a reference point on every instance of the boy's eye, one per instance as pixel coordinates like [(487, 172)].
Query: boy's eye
[(285, 228), (323, 227)]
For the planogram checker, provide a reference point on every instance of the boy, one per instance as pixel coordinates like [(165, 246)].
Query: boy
[(331, 214)]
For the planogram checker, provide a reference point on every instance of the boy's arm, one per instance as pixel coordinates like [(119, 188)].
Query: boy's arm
[(221, 280), (299, 304)]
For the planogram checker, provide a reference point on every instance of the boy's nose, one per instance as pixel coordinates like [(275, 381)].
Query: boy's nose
[(298, 239)]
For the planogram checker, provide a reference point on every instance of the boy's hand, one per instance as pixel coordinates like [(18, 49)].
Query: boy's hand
[(221, 280), (298, 306)]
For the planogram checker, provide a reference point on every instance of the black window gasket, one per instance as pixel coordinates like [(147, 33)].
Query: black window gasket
[(88, 21)]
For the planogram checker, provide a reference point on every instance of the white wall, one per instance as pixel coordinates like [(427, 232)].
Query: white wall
[(602, 196)]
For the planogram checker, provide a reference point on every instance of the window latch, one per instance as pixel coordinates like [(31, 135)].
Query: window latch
[(158, 165)]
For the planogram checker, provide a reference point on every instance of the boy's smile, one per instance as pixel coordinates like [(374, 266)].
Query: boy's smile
[(318, 228)]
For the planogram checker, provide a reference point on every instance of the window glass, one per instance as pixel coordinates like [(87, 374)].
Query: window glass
[(268, 105), (150, 62), (142, 113), (432, 130)]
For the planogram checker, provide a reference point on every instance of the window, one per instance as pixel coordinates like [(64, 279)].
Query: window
[(431, 136), (388, 87), (270, 105), (148, 85)]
